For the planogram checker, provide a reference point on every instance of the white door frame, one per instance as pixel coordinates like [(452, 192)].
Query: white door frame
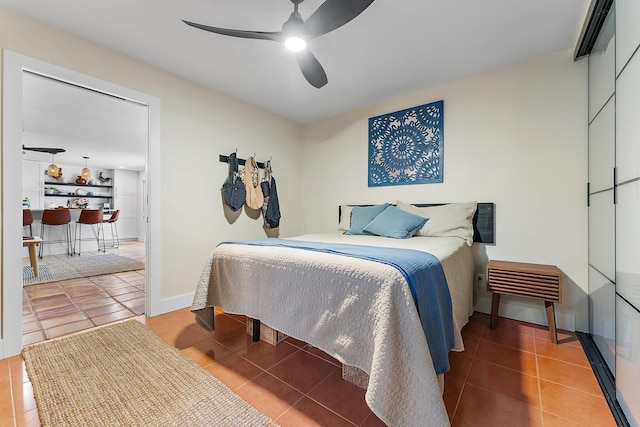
[(11, 290)]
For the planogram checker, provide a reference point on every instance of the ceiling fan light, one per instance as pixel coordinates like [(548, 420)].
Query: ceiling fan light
[(295, 44)]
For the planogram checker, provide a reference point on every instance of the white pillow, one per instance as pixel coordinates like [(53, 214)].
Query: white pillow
[(345, 217), (452, 220)]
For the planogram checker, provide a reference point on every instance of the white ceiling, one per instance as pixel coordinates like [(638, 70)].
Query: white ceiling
[(393, 47), (110, 131)]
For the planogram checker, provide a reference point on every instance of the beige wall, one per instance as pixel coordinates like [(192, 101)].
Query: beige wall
[(198, 124), (516, 136)]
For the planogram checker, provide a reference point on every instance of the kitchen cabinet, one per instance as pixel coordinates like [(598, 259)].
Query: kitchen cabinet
[(125, 198), (33, 183)]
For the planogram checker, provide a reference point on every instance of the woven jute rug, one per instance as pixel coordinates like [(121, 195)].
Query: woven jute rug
[(54, 270), (125, 375)]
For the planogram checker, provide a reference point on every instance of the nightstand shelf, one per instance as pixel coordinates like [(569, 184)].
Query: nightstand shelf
[(528, 280)]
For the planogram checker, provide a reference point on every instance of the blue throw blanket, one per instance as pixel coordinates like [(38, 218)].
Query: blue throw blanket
[(422, 271)]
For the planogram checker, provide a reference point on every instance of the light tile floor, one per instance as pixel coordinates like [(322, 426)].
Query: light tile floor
[(509, 376), (54, 309)]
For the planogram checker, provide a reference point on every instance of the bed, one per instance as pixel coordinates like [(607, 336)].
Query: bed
[(360, 311)]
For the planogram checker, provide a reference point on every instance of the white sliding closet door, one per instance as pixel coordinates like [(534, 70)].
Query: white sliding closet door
[(601, 192), (628, 209)]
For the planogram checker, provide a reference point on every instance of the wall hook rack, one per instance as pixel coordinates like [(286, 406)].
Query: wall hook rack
[(225, 159)]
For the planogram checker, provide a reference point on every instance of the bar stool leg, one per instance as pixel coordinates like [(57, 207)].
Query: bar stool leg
[(42, 244), (96, 232), (115, 237), (104, 244), (69, 241), (79, 241), (99, 228)]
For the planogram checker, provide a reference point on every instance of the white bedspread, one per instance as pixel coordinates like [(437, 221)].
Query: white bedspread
[(360, 312)]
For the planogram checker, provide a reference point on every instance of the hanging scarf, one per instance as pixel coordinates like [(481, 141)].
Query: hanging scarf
[(255, 198)]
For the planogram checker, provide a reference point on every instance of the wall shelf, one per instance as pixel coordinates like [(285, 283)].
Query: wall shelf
[(86, 196), (72, 193), (47, 183)]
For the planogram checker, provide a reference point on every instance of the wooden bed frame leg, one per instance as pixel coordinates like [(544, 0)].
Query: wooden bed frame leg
[(256, 330)]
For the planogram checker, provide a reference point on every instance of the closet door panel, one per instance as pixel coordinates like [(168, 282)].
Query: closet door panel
[(628, 360), (602, 148), (602, 315), (627, 121), (627, 30), (628, 243), (602, 234), (602, 67)]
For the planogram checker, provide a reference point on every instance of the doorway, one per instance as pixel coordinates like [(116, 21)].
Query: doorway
[(14, 67)]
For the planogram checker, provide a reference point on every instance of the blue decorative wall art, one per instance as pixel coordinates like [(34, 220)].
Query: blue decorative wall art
[(406, 147)]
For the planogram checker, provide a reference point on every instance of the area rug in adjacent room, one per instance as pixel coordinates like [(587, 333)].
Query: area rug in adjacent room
[(53, 270), (125, 375)]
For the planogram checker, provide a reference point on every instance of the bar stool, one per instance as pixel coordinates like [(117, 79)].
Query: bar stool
[(115, 239), (90, 217), (27, 219), (56, 217)]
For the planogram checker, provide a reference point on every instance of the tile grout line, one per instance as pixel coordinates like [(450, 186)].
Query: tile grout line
[(33, 313), (75, 304), (299, 349), (535, 349), (321, 404), (13, 400), (464, 383)]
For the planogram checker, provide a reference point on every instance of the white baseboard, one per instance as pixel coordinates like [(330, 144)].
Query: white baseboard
[(531, 311), (172, 304)]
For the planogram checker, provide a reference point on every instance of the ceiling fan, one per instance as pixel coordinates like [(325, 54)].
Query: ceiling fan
[(44, 149), (296, 32)]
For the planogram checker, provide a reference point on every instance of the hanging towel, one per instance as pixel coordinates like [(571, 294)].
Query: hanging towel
[(233, 188), (254, 197)]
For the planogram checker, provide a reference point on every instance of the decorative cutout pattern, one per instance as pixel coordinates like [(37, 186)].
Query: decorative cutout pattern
[(406, 147)]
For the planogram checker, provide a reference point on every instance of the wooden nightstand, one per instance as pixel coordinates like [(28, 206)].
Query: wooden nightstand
[(529, 280)]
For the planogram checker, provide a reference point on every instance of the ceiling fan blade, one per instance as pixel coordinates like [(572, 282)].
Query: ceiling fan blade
[(260, 35), (311, 69), (333, 14), (44, 149)]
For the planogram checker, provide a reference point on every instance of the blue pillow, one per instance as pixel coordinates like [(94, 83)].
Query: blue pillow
[(396, 223), (362, 215)]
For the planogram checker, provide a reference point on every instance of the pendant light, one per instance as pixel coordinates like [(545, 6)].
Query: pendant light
[(52, 170), (86, 172)]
